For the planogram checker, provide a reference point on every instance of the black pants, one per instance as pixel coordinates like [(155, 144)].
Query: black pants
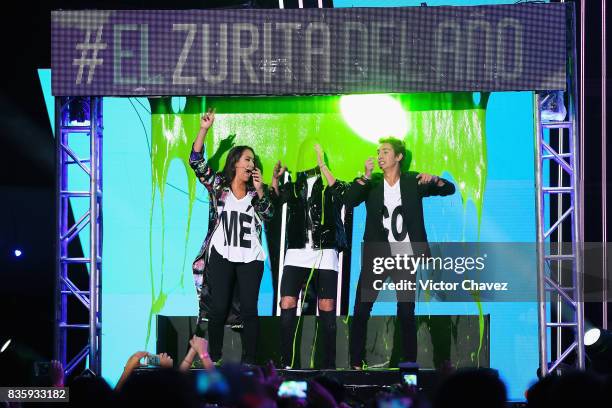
[(223, 275), (325, 282), (361, 314)]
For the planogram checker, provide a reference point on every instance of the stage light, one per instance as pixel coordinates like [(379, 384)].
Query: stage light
[(591, 336), (5, 345), (374, 116), (17, 253), (598, 345), (552, 106), (598, 339), (78, 110)]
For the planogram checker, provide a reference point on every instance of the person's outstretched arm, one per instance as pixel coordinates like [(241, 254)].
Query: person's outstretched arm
[(202, 169), (199, 345), (130, 365), (431, 185), (277, 172), (359, 188), (337, 187), (331, 180), (188, 360)]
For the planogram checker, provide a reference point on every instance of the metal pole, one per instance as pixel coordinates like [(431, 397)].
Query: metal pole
[(580, 146), (578, 182), (542, 330), (577, 146), (99, 226), (559, 332), (340, 269), (578, 268), (281, 255), (604, 169), (93, 240), (60, 312)]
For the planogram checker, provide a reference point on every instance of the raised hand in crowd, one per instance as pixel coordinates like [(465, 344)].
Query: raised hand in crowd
[(57, 374), (132, 363)]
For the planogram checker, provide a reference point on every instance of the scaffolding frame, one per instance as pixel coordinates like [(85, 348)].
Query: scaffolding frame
[(78, 117), (555, 259)]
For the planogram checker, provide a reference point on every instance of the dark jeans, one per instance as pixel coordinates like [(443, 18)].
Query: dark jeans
[(223, 275), (361, 314)]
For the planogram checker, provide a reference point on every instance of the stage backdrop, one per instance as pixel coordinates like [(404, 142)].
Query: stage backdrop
[(155, 214)]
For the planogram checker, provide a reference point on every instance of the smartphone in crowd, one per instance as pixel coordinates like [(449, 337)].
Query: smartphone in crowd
[(410, 373), (151, 360), (293, 389), (410, 379)]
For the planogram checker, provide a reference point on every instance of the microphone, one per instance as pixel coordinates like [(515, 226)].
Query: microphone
[(250, 171)]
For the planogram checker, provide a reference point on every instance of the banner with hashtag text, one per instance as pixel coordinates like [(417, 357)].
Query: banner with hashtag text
[(309, 51)]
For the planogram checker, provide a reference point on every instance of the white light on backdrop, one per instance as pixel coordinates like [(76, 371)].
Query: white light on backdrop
[(374, 116)]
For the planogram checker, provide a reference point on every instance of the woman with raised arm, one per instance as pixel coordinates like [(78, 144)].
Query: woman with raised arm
[(232, 255), (315, 235)]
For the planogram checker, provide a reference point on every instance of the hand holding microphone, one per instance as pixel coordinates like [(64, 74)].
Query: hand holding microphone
[(257, 180)]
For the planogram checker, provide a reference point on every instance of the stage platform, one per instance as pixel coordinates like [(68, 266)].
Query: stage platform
[(442, 340)]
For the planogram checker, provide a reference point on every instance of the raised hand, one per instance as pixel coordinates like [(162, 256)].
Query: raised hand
[(207, 119), (57, 374), (165, 361), (319, 151), (200, 345), (134, 360), (318, 396), (369, 167), (257, 179), (278, 170), (270, 379), (425, 178)]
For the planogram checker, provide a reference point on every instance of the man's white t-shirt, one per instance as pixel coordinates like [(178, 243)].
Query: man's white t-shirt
[(308, 257), (393, 219), (235, 238)]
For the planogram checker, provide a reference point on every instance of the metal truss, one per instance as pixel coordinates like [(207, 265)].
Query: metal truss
[(78, 121), (558, 172), (556, 259)]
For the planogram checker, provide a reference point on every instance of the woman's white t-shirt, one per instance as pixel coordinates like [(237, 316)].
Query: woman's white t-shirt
[(308, 257), (235, 237)]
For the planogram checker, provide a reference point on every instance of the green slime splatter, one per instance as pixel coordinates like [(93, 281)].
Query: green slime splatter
[(447, 135), (171, 138)]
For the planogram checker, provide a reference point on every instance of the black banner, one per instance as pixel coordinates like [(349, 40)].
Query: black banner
[(309, 51)]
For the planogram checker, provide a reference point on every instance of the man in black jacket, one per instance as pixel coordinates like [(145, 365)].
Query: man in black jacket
[(394, 214)]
